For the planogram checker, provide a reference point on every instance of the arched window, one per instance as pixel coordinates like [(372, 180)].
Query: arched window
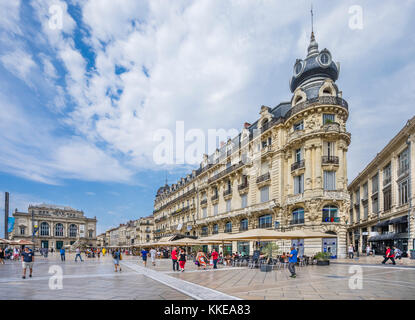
[(44, 229), (243, 225), (59, 230), (330, 214), (298, 216), (228, 227), (73, 230), (215, 229)]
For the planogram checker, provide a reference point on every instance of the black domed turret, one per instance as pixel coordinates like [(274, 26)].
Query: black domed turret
[(317, 66)]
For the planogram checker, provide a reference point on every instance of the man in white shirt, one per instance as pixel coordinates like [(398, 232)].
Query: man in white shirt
[(153, 253), (78, 254)]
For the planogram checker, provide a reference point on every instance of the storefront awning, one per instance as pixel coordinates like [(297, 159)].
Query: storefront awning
[(382, 224), (382, 237), (402, 219)]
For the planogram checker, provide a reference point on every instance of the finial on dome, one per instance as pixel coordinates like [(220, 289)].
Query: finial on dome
[(313, 46)]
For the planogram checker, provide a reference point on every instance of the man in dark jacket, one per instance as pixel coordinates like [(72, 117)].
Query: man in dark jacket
[(389, 255)]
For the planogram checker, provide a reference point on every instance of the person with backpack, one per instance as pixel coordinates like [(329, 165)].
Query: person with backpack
[(116, 256), (389, 255), (398, 253), (62, 252)]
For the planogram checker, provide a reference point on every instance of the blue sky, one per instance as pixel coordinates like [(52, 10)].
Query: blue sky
[(80, 100)]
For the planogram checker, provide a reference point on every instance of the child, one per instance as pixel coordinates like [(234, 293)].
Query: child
[(182, 259)]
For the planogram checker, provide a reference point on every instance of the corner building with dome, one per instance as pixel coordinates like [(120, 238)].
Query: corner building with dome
[(286, 171)]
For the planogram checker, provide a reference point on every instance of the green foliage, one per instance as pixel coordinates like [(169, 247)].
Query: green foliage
[(270, 248), (328, 121), (324, 256)]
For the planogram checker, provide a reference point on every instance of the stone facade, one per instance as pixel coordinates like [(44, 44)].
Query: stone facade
[(381, 197), (58, 226), (286, 171), (134, 232)]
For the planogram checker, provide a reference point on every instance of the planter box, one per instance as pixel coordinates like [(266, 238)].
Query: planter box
[(323, 262), (266, 267)]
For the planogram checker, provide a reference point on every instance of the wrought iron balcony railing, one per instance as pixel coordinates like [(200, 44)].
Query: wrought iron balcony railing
[(330, 160), (263, 178), (297, 165)]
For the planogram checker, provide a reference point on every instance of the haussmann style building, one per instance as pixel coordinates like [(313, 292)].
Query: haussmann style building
[(286, 171), (381, 197)]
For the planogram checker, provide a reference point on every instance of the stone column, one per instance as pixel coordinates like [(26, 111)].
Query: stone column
[(307, 175), (318, 175)]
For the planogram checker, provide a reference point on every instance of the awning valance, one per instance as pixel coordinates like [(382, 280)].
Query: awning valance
[(382, 224), (398, 220)]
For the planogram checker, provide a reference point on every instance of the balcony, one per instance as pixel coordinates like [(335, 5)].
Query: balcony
[(403, 170), (227, 192), (297, 221), (204, 234), (243, 228), (263, 178), (297, 165), (328, 100), (265, 225), (387, 181), (330, 160), (215, 232), (225, 172), (204, 201), (180, 210), (215, 197), (266, 149)]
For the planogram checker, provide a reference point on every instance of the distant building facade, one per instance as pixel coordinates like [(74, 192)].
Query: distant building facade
[(57, 226), (381, 197)]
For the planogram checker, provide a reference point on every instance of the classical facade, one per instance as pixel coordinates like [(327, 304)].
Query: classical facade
[(57, 226), (381, 196), (287, 170)]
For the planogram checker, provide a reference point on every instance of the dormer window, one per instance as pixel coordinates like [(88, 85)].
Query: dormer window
[(298, 99)]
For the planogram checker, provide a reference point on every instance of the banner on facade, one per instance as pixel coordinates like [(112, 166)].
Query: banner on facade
[(10, 224)]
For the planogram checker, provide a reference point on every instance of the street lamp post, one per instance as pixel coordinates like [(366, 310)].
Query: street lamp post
[(33, 229)]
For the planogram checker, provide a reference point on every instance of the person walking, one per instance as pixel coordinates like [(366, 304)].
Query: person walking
[(1, 256), (182, 259), (153, 253), (367, 250), (116, 257), (62, 252), (215, 256), (389, 255), (292, 260), (397, 253), (78, 254), (104, 251), (28, 259), (174, 259), (144, 253), (351, 251)]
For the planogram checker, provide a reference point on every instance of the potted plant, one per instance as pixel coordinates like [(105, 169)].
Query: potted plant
[(322, 258), (268, 250)]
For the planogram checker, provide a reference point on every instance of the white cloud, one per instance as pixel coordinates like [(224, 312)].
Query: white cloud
[(19, 63), (209, 63)]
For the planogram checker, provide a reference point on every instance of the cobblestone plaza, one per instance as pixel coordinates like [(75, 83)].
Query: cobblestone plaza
[(96, 279)]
